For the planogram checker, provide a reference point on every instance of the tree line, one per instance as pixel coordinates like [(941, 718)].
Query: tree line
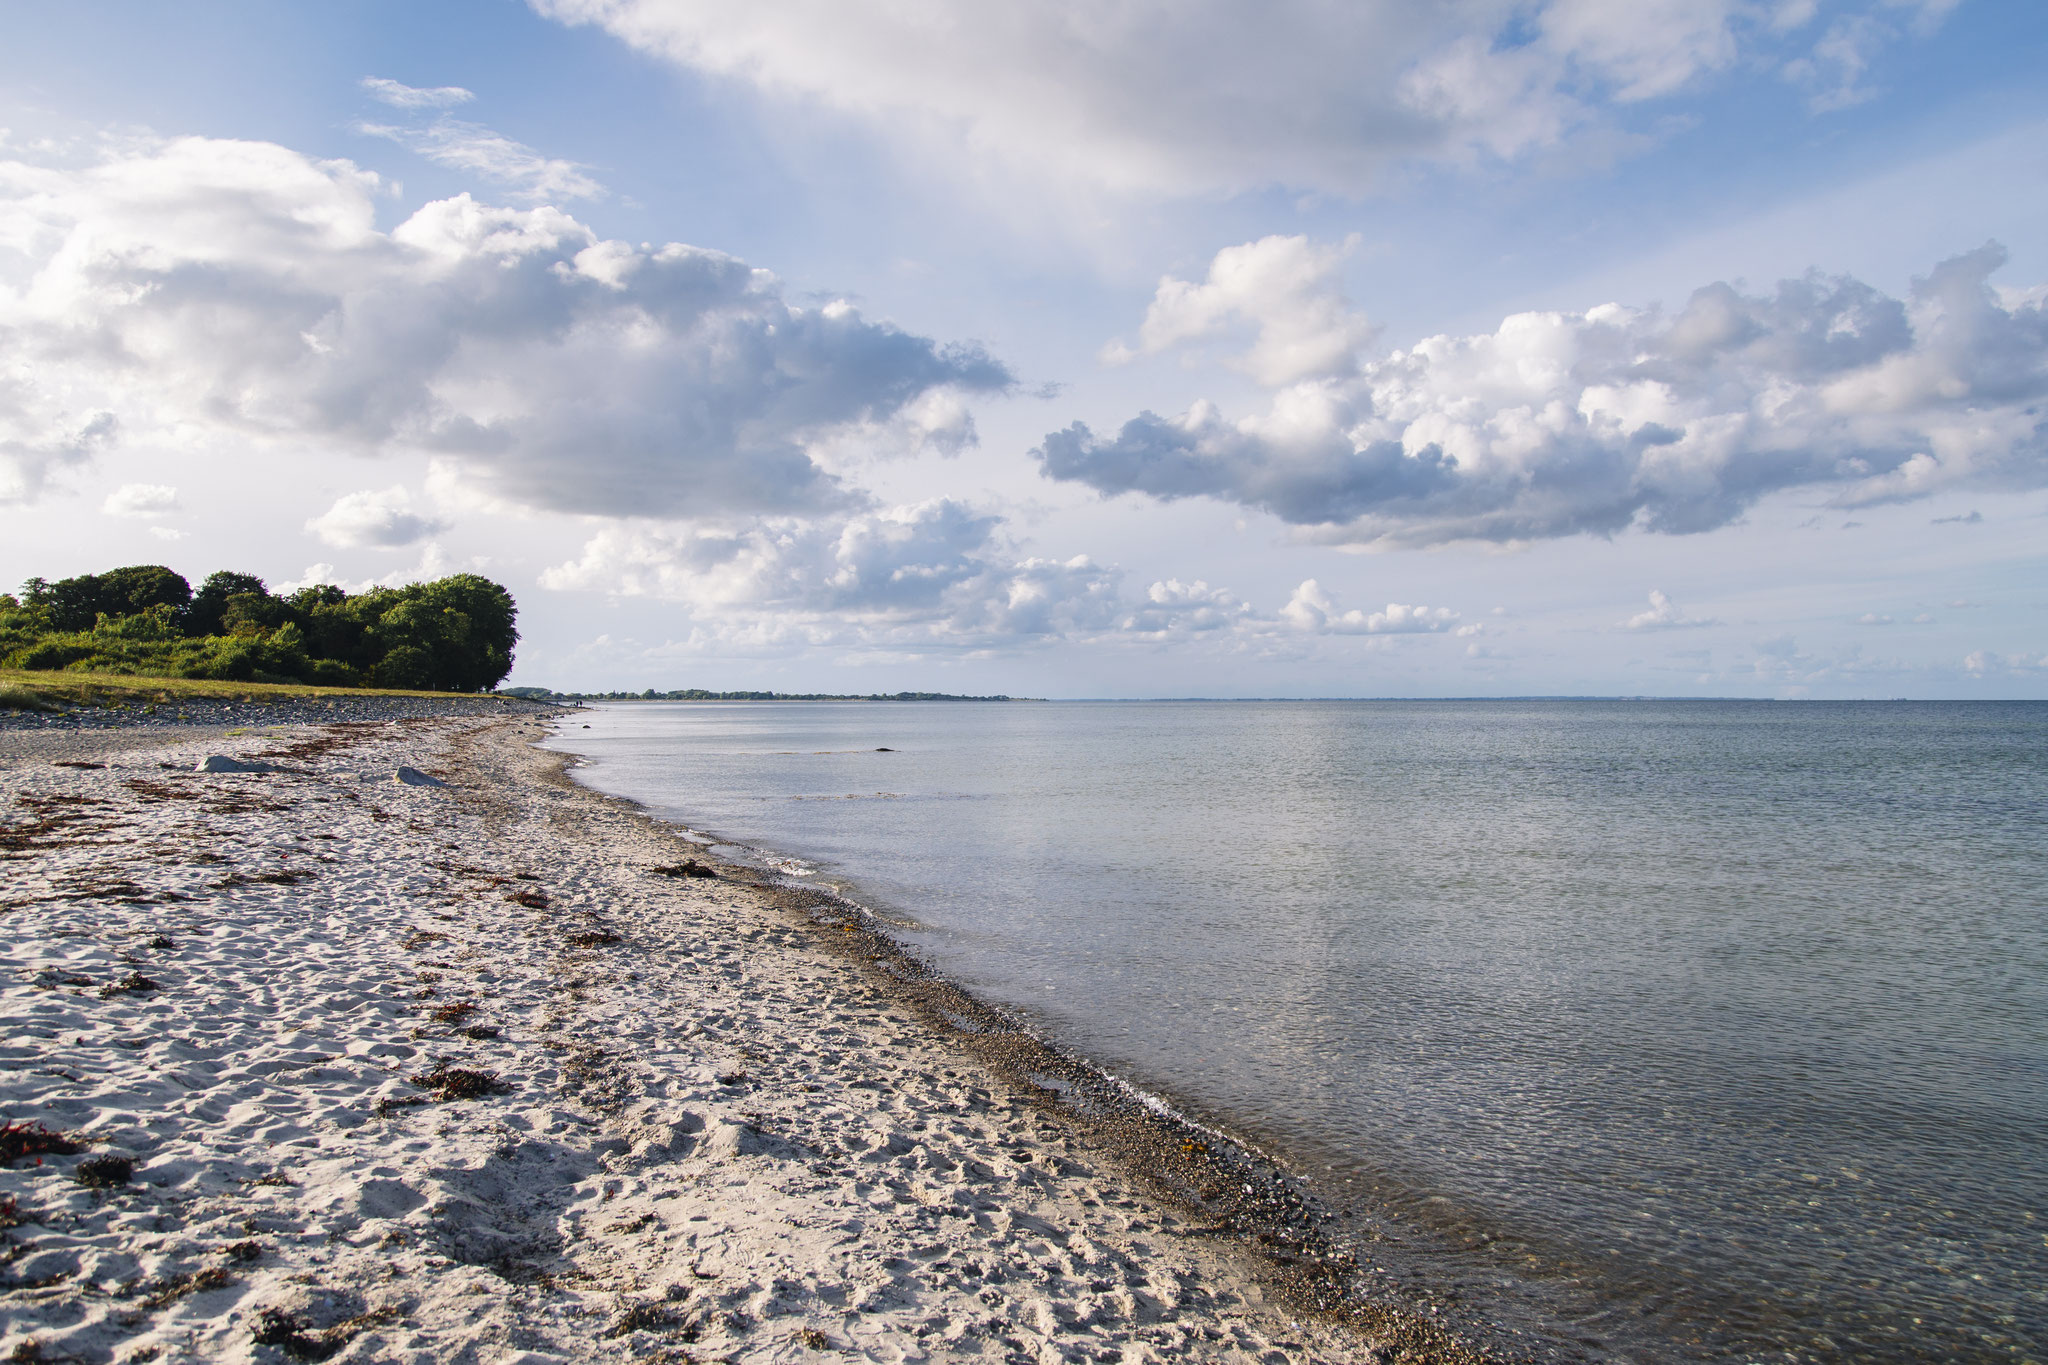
[(455, 634)]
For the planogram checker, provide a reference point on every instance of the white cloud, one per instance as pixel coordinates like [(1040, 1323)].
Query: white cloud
[(1664, 614), (200, 294), (400, 96), (1559, 424), (1286, 287), (931, 574), (1173, 608), (478, 150), (381, 517), (1872, 618), (316, 575), (1207, 95), (1985, 663), (1311, 609), (434, 562), (141, 500), (167, 533)]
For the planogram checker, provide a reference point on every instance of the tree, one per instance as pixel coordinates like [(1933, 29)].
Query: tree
[(210, 603), (452, 635), (78, 603)]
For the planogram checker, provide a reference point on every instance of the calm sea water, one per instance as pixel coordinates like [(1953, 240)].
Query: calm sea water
[(1685, 1030)]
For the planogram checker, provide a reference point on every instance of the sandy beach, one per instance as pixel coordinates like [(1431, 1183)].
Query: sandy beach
[(348, 1068)]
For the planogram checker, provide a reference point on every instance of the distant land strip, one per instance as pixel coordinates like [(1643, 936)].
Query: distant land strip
[(700, 694)]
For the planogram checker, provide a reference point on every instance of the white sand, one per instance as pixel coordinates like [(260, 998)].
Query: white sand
[(721, 1141)]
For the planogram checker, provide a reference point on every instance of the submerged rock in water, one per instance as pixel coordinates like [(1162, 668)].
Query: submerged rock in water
[(413, 777)]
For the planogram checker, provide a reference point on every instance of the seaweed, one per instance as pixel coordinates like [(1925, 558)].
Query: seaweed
[(283, 877), (296, 1338), (532, 900), (149, 789), (18, 1140), (191, 1282), (104, 1172), (135, 983), (592, 938), (448, 1083), (689, 867), (648, 1317), (453, 1012), (56, 822)]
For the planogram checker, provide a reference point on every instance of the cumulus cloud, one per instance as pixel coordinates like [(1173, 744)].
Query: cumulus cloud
[(1558, 424), (379, 517), (434, 562), (934, 576), (1311, 609), (479, 151), (1172, 607), (199, 292), (928, 574), (1209, 95), (1664, 614), (932, 573), (401, 96), (1285, 287), (141, 500)]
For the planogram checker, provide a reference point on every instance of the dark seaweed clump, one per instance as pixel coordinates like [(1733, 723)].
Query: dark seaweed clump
[(18, 1140), (104, 1172), (458, 1083), (688, 868)]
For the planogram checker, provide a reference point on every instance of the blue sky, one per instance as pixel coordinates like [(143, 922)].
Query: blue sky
[(1132, 349)]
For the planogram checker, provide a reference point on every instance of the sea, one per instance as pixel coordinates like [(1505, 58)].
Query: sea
[(1653, 1030)]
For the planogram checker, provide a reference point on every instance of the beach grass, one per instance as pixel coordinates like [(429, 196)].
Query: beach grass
[(38, 689)]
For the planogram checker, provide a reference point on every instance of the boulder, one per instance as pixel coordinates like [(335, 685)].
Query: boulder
[(221, 763)]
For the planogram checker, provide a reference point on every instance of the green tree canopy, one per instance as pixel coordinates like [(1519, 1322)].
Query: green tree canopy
[(452, 635), (76, 603), (210, 603)]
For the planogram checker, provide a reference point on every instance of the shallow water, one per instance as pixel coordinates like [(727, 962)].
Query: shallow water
[(1706, 1030)]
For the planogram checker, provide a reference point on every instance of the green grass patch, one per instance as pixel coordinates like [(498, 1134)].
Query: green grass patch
[(14, 697), (58, 689)]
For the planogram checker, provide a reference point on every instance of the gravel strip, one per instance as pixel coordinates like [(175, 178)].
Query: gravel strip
[(215, 713)]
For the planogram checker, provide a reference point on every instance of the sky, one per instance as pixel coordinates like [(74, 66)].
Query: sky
[(1385, 348)]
